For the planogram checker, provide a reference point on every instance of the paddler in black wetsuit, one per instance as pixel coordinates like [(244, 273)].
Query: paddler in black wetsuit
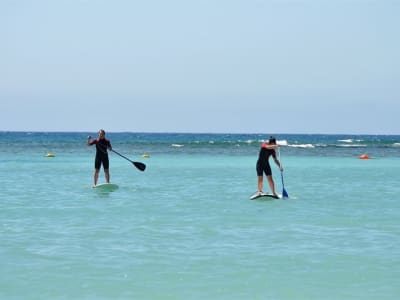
[(102, 144), (267, 150)]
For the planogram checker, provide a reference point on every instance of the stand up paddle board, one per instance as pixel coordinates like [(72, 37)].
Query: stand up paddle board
[(257, 195), (106, 187)]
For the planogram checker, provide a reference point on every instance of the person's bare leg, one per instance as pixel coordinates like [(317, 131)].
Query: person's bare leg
[(260, 183), (96, 176), (271, 184), (107, 175)]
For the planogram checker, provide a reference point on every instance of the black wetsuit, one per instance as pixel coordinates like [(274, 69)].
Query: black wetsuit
[(263, 161), (101, 153)]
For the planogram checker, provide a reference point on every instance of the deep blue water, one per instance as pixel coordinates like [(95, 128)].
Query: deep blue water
[(189, 143)]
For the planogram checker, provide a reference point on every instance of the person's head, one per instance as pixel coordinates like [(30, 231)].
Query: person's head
[(102, 133), (272, 140)]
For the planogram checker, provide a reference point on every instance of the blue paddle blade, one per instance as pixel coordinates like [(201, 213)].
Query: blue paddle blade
[(284, 193)]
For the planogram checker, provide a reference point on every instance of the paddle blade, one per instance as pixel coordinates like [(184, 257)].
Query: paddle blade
[(284, 193), (139, 165)]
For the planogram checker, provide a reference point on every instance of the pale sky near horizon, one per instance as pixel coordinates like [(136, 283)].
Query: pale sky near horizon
[(235, 66)]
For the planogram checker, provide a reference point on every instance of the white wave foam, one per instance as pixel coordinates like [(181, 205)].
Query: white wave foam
[(177, 145), (346, 141), (282, 142), (353, 145), (302, 145), (349, 141)]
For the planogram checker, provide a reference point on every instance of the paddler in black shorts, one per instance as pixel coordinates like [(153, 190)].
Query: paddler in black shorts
[(102, 144), (267, 150)]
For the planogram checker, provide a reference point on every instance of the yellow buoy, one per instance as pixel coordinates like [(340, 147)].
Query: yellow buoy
[(145, 155), (49, 155)]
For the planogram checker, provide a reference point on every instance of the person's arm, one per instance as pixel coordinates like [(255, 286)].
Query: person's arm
[(278, 163), (268, 146), (90, 142)]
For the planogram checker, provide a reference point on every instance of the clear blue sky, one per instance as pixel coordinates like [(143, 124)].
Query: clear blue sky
[(256, 66)]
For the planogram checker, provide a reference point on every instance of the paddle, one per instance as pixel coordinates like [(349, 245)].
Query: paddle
[(284, 193), (139, 165)]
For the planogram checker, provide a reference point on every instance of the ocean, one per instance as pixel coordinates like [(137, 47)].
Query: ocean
[(185, 227)]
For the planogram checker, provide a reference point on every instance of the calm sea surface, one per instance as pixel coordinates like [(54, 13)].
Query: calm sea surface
[(186, 229)]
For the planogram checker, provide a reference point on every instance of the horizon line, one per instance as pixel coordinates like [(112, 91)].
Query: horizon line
[(193, 132)]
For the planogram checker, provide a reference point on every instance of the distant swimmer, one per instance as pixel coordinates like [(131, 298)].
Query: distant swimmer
[(267, 149), (102, 144)]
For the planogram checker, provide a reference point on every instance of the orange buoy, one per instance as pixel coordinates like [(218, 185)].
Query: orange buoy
[(363, 156)]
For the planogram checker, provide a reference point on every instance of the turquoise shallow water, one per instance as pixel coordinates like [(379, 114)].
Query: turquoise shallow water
[(185, 229)]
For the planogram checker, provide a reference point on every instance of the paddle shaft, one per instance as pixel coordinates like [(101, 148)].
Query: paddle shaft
[(139, 165), (284, 192), (121, 155)]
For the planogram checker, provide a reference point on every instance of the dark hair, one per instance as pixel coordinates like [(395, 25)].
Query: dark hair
[(272, 140)]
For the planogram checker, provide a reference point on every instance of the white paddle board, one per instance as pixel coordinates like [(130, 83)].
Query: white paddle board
[(107, 187), (257, 195)]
